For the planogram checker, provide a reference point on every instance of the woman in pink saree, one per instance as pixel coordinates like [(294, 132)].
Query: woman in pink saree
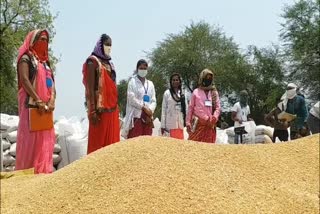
[(35, 88)]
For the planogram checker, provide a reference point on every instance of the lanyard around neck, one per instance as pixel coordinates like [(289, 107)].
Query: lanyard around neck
[(145, 89)]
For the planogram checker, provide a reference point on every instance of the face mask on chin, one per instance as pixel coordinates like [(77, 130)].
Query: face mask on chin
[(142, 72), (291, 93), (107, 50)]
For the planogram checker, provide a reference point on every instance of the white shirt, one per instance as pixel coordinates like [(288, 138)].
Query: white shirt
[(315, 110), (171, 114), (135, 93), (242, 113)]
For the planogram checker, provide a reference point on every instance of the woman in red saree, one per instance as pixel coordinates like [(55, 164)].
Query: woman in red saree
[(35, 88), (99, 79)]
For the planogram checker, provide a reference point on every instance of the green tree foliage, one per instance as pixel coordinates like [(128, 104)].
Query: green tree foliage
[(18, 17), (122, 96), (200, 46), (266, 80), (301, 37)]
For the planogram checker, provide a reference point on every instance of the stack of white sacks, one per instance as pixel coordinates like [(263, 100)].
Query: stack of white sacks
[(256, 134), (72, 138), (69, 136)]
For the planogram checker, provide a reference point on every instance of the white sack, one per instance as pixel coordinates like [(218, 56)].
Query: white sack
[(12, 136), (5, 144), (265, 139), (13, 149), (264, 130), (57, 148)]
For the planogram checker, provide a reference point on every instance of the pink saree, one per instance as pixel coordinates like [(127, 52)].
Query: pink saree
[(34, 149)]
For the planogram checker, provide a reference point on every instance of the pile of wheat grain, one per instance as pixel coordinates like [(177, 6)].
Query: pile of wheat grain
[(163, 175)]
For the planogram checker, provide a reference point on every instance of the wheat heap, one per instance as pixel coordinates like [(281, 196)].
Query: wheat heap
[(163, 175)]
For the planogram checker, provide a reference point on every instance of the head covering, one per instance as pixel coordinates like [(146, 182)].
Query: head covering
[(289, 94), (203, 75), (26, 47), (292, 92), (292, 85), (244, 98), (141, 62), (98, 49)]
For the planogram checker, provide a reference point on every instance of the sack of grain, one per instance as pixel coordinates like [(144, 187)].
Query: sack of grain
[(13, 149), (8, 160), (12, 136), (56, 159), (5, 144), (57, 148), (246, 139), (265, 139), (9, 122), (9, 168), (264, 130)]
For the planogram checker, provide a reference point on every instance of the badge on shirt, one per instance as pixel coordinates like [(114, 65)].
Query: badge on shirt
[(49, 82), (208, 103), (146, 98)]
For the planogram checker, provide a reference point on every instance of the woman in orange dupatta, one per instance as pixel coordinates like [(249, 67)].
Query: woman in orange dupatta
[(99, 79), (35, 88), (204, 110)]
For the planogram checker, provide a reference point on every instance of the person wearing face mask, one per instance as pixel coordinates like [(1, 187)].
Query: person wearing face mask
[(204, 110), (240, 112), (141, 103), (36, 89), (173, 114), (295, 104), (99, 79)]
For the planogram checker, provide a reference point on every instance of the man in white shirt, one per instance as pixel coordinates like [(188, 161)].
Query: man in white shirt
[(240, 113)]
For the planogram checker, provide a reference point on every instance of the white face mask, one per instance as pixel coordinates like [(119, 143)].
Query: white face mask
[(291, 93), (107, 50), (142, 73)]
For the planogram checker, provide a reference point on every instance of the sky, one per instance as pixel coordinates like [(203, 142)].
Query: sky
[(136, 27)]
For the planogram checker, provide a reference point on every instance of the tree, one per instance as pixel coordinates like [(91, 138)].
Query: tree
[(122, 96), (267, 79), (301, 37), (18, 17), (199, 46)]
